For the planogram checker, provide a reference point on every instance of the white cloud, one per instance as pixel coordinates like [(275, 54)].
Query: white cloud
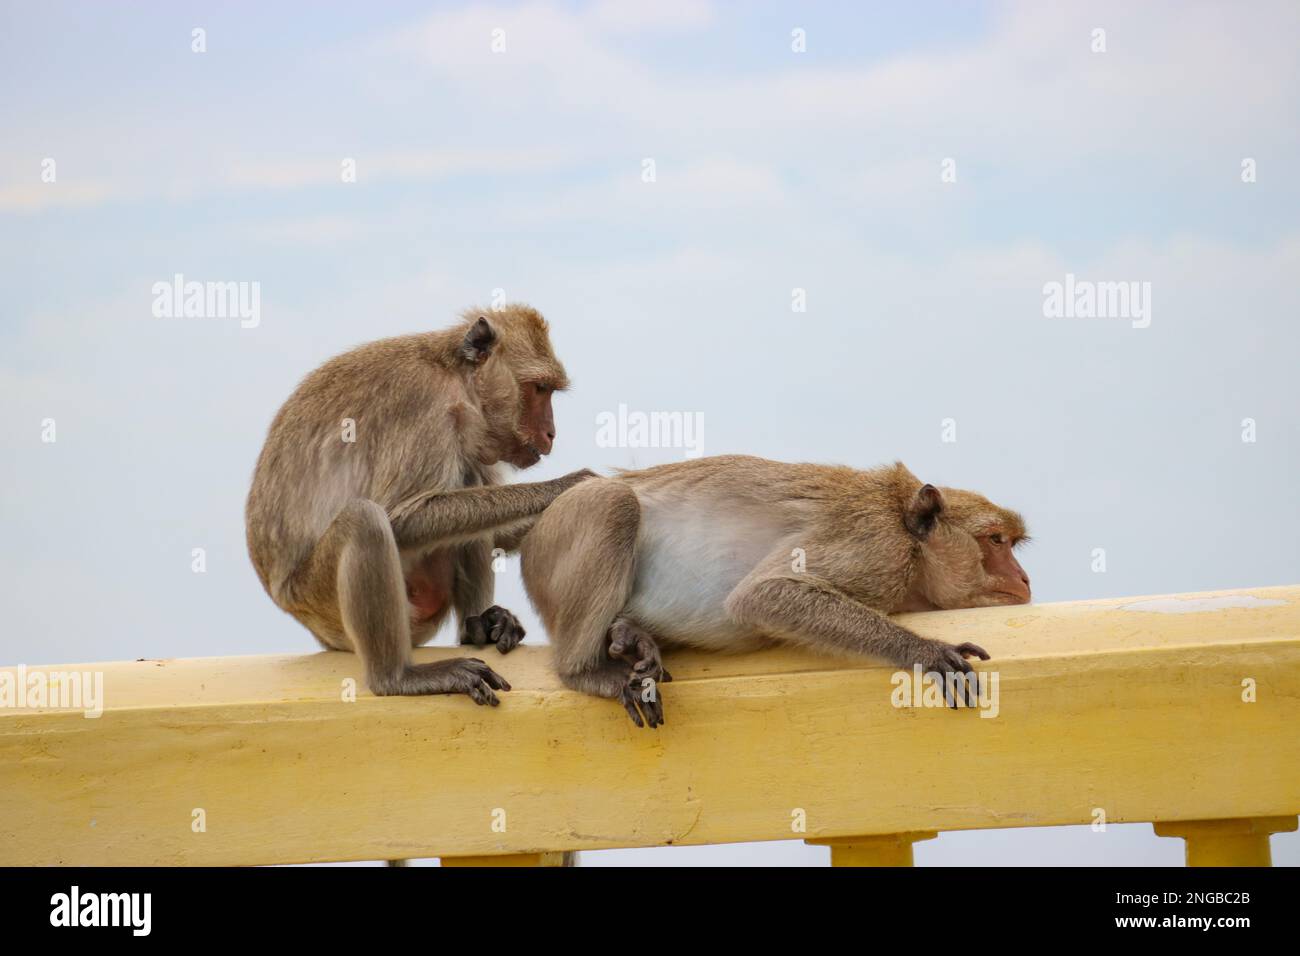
[(626, 16), (391, 166), (1174, 86), (1034, 71), (36, 195)]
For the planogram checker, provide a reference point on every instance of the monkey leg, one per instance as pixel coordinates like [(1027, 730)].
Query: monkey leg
[(578, 565), (354, 576)]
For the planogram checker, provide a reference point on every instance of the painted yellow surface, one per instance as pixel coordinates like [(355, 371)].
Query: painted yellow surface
[(888, 849), (1133, 708), (1227, 842)]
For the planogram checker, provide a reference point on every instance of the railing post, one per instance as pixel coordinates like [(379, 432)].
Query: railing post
[(1240, 842), (558, 858), (887, 849)]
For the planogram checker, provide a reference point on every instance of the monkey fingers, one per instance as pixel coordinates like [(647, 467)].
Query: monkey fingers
[(627, 697), (968, 683), (634, 646), (630, 643), (504, 629), (496, 626), (643, 694), (951, 669), (466, 675), (473, 631), (482, 682), (651, 667), (970, 677)]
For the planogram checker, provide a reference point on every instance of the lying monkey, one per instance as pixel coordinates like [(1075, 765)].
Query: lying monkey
[(733, 552)]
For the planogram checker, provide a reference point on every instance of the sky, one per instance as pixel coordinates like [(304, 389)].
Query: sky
[(919, 171)]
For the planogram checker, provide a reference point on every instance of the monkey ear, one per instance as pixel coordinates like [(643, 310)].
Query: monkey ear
[(923, 511), (478, 342)]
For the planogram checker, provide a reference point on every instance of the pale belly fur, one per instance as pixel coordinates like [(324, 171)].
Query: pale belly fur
[(690, 557)]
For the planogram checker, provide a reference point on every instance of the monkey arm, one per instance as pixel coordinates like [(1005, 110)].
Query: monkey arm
[(509, 539), (811, 611), (444, 518)]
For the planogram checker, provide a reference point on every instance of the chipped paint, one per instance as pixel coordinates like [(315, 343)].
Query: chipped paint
[(1021, 621)]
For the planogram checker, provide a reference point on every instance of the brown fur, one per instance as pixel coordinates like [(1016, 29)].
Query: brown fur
[(370, 543), (613, 552)]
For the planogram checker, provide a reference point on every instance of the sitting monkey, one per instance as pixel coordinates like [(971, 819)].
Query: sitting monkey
[(733, 552), (377, 499)]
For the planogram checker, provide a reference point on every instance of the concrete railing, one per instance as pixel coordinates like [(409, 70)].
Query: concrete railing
[(1183, 711)]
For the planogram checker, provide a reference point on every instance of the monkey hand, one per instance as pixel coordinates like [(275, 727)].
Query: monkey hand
[(472, 676), (496, 626), (465, 675), (574, 477), (640, 693), (956, 676)]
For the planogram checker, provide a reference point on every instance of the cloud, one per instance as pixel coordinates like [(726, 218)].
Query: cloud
[(36, 195), (626, 16), (1026, 99), (683, 191), (396, 166), (1034, 71)]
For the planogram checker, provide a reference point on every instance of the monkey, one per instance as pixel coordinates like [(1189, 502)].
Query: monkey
[(735, 552), (376, 501)]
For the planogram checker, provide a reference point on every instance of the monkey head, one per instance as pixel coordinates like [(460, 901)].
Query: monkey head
[(965, 544), (515, 373)]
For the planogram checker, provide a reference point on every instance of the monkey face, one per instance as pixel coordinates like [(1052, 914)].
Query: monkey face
[(512, 367), (535, 434), (966, 549), (1005, 578), (972, 570)]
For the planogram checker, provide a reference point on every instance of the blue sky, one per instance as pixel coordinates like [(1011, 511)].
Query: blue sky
[(521, 170)]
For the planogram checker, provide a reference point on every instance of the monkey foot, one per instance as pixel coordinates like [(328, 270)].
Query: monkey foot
[(640, 693), (496, 626)]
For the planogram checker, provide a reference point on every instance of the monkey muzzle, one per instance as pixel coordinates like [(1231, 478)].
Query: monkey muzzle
[(526, 455)]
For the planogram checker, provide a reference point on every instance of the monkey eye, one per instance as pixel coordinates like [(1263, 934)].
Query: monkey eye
[(997, 538)]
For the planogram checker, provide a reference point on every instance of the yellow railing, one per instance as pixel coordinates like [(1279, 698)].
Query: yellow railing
[(1183, 711)]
